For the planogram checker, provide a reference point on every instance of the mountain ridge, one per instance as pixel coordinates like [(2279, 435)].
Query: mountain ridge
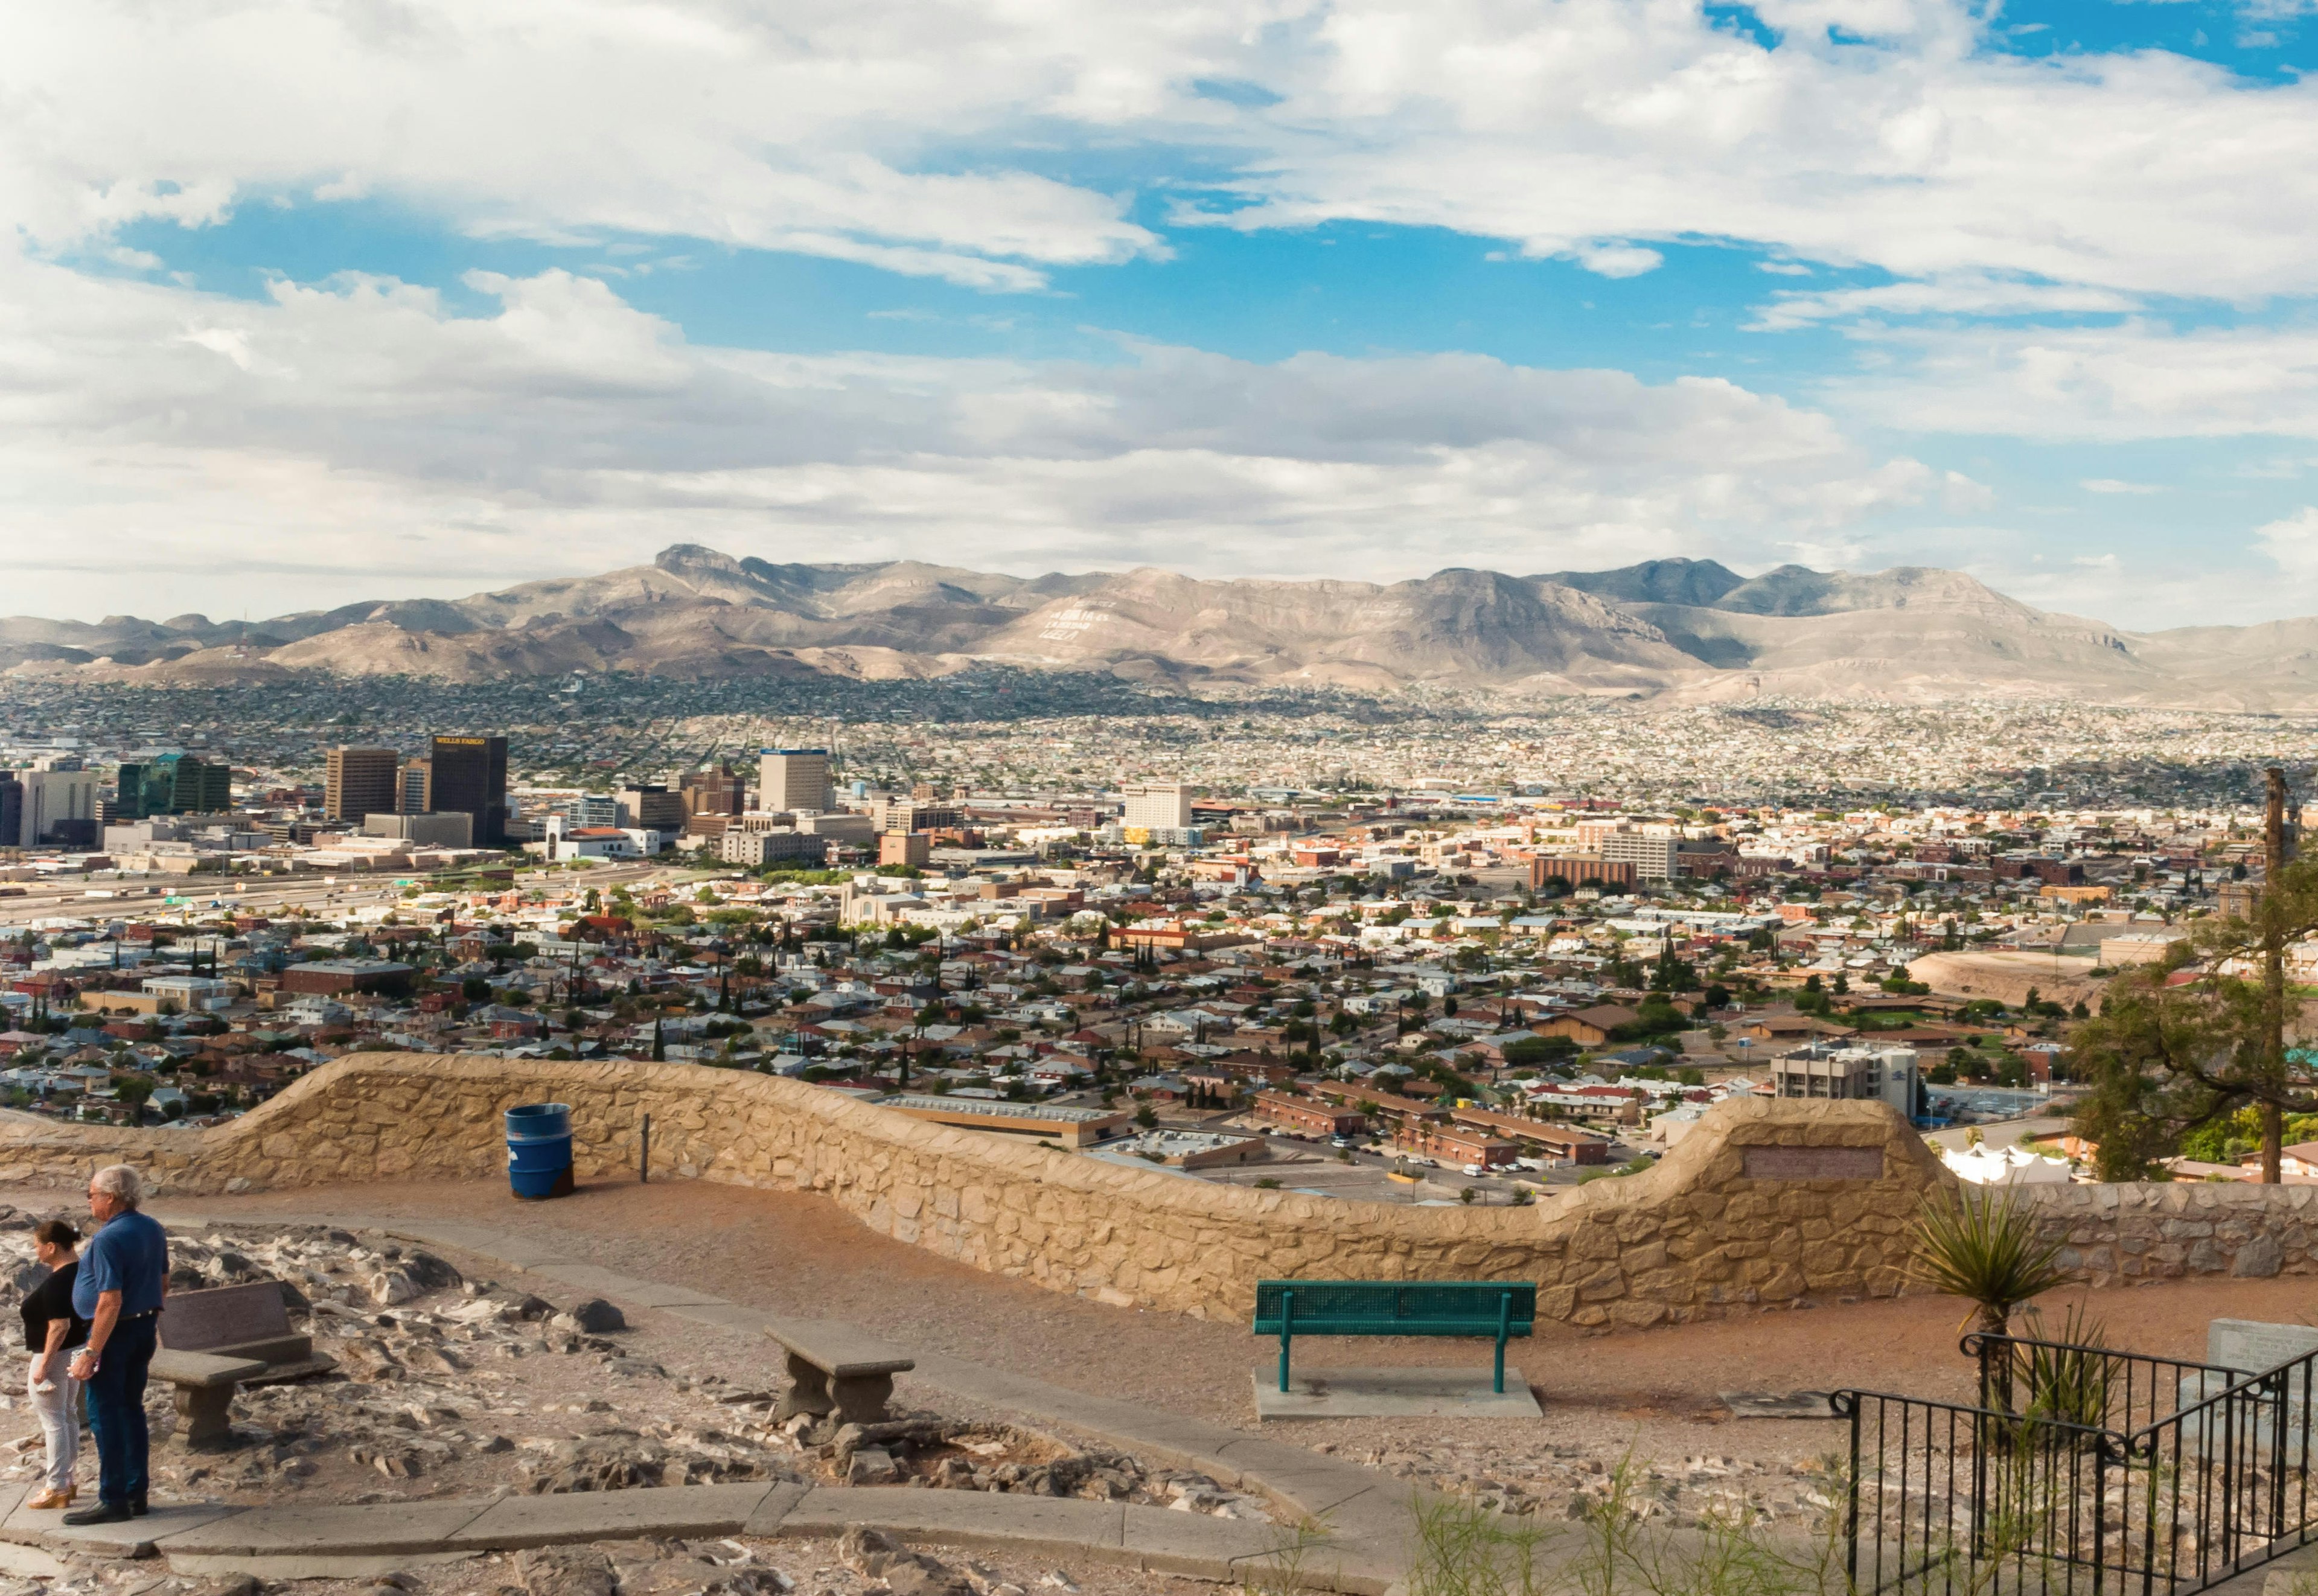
[(1684, 630)]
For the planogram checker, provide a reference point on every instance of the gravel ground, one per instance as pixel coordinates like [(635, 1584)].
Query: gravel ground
[(451, 1384)]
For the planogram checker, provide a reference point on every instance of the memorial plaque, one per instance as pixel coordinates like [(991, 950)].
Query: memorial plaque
[(2252, 1415), (1812, 1163), (2250, 1345)]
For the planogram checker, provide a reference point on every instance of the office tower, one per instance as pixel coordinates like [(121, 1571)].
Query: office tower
[(356, 781), (1156, 806), (12, 810), (793, 779), (414, 787), (56, 806), (714, 792), (894, 815), (589, 809), (173, 784), (651, 809), (469, 776)]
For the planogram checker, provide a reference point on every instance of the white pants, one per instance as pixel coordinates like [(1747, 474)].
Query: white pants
[(58, 1411)]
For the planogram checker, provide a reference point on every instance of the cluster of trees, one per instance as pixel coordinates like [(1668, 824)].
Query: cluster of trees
[(2203, 1040)]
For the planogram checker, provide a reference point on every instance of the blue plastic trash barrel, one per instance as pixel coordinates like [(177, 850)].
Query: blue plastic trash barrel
[(539, 1149)]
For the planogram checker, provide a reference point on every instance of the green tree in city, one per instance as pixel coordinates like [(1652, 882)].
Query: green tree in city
[(2166, 1055)]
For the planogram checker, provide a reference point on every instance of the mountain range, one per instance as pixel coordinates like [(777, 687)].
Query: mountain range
[(1689, 630)]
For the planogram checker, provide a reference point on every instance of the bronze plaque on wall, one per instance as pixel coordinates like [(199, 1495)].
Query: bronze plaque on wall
[(1813, 1163)]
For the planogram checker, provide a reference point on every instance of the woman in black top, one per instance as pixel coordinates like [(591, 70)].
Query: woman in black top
[(50, 1332)]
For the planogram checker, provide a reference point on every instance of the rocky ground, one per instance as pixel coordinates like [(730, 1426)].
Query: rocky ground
[(451, 1385)]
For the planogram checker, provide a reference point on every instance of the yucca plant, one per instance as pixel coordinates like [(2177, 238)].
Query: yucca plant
[(2068, 1383), (1984, 1249)]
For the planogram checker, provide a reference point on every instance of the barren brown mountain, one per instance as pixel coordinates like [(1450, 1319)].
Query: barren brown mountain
[(1686, 629)]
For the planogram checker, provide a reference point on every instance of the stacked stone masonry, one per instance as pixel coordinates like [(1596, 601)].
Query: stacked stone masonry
[(1764, 1203), (2112, 1235)]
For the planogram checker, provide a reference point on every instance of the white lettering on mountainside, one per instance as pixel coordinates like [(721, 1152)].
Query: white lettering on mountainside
[(1065, 625)]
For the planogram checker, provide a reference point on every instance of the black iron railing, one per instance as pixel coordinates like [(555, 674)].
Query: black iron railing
[(2081, 1471)]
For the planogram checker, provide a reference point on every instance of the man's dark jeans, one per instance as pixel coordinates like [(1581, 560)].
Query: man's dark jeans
[(116, 1410)]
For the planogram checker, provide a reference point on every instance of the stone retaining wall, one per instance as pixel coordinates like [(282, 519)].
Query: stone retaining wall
[(1762, 1203), (2116, 1234)]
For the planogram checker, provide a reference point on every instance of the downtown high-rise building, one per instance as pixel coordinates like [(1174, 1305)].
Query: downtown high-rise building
[(358, 782), (793, 779), (414, 787), (468, 774), (173, 784)]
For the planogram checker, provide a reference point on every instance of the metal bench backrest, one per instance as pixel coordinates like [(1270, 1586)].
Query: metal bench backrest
[(226, 1316), (1396, 1307)]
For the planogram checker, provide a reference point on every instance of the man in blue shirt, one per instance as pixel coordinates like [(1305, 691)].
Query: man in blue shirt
[(124, 1273)]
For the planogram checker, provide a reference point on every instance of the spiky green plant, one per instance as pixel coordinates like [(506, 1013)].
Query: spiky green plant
[(1984, 1248), (2068, 1383)]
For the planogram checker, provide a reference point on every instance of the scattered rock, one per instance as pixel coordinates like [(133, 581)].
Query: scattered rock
[(867, 1551), (565, 1570), (594, 1317), (871, 1465)]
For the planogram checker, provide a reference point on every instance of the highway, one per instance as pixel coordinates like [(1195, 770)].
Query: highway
[(144, 898)]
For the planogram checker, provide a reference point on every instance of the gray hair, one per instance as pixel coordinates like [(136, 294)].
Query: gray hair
[(122, 1182)]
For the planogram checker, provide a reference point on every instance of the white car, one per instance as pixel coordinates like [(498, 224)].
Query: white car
[(1475, 1170)]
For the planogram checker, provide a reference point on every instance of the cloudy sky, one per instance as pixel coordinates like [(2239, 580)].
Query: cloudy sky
[(304, 301)]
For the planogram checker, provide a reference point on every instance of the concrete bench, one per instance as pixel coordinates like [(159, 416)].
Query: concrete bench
[(251, 1321), (835, 1370), (205, 1384)]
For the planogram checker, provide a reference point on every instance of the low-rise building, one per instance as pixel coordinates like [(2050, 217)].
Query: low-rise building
[(1309, 1116)]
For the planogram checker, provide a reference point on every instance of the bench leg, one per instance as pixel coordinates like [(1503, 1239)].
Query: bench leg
[(1504, 1325), (204, 1415), (808, 1392), (1287, 1331), (862, 1399)]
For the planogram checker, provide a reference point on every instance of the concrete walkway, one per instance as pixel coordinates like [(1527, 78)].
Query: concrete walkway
[(318, 1542), (1366, 1517)]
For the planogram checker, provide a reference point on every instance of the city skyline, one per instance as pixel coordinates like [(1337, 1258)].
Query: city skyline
[(312, 308)]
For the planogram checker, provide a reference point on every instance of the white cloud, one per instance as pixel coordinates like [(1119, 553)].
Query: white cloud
[(163, 449), (1617, 260), (831, 133), (2292, 542), (2114, 485), (2137, 380), (938, 137), (1967, 295), (1921, 153)]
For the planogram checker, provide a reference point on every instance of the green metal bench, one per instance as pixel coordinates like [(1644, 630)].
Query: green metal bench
[(1498, 1308)]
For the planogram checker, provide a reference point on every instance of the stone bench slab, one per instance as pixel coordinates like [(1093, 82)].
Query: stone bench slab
[(837, 1372), (839, 1350), (204, 1371)]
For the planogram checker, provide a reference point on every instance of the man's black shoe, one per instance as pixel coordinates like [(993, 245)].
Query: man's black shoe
[(137, 1506), (103, 1512)]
